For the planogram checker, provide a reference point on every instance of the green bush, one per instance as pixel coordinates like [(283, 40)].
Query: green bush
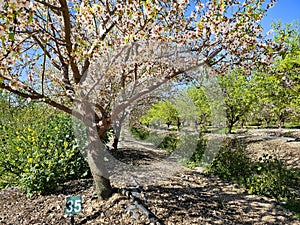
[(139, 132), (39, 154), (294, 206), (169, 142), (196, 158), (272, 178), (268, 176), (232, 163)]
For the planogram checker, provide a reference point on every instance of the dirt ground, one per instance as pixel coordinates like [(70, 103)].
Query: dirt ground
[(186, 197), (282, 143)]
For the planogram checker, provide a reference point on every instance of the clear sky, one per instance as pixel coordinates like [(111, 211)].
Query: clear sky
[(284, 10)]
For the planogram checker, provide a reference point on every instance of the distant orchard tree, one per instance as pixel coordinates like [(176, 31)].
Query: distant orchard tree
[(239, 97), (202, 106), (278, 87)]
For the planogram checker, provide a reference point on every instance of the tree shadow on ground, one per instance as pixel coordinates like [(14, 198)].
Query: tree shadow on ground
[(137, 156), (73, 187), (208, 200)]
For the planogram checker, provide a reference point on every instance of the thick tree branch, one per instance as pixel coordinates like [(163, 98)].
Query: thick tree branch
[(68, 32), (94, 47), (101, 109), (35, 96)]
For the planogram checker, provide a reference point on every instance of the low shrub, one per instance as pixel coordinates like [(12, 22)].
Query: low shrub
[(140, 132), (232, 163), (196, 158), (268, 176), (272, 178), (169, 142), (294, 206), (40, 154)]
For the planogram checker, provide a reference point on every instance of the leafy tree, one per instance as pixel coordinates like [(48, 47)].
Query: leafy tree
[(197, 94), (288, 62), (186, 109), (238, 96), (278, 89), (100, 56), (162, 112), (287, 68)]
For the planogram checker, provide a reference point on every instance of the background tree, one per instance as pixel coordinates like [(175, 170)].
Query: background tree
[(162, 112), (102, 56), (131, 116), (238, 97), (287, 67), (186, 109), (197, 94), (278, 88)]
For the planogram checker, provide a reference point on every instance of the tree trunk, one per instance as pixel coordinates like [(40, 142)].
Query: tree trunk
[(117, 134), (116, 142), (96, 161), (230, 126), (178, 124), (281, 120), (243, 123), (117, 125)]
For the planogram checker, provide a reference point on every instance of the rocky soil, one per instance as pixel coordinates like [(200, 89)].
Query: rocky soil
[(183, 197)]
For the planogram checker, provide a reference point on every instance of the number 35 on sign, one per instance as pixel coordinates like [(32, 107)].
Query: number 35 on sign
[(73, 205)]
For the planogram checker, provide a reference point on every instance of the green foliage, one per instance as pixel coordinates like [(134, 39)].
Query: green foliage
[(162, 112), (289, 35), (271, 178), (197, 94), (278, 101), (278, 88), (169, 142), (39, 151), (294, 206), (238, 96), (140, 132), (268, 176), (232, 163), (196, 158)]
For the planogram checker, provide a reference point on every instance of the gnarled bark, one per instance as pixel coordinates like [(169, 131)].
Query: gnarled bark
[(103, 187), (96, 160)]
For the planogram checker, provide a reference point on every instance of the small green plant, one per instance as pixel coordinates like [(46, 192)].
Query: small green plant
[(272, 178), (294, 206), (222, 202), (169, 142), (140, 132), (268, 176), (231, 163), (196, 158)]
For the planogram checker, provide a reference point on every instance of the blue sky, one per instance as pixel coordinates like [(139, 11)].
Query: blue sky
[(284, 10)]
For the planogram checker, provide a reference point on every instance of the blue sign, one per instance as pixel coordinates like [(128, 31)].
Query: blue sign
[(73, 205)]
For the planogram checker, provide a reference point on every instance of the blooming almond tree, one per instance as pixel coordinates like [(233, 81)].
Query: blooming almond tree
[(100, 56)]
